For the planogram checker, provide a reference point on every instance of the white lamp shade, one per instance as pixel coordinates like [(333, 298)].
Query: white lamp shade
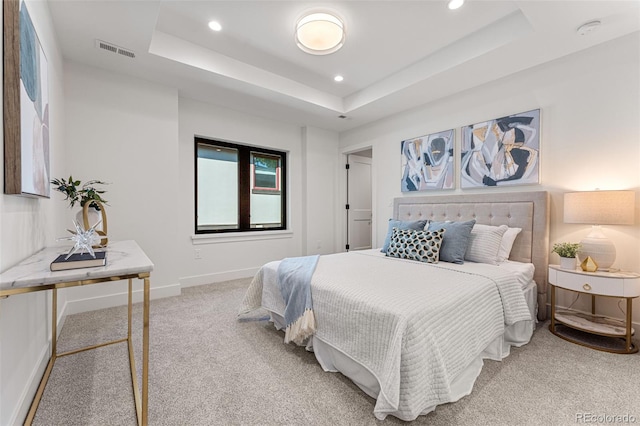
[(599, 207), (320, 33)]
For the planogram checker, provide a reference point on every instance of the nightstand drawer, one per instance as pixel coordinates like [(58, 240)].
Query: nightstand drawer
[(606, 286)]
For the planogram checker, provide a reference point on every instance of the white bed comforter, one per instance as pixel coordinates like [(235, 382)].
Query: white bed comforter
[(414, 326)]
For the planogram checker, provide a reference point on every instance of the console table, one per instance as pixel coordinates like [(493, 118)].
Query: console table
[(125, 261)]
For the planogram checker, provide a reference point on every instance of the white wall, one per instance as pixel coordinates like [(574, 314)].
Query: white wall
[(223, 256), (322, 164), (124, 131), (27, 225), (312, 163), (590, 110), (139, 136)]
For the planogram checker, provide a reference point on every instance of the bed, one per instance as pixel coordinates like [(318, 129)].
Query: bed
[(413, 335)]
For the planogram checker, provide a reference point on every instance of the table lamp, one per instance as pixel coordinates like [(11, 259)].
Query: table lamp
[(599, 208)]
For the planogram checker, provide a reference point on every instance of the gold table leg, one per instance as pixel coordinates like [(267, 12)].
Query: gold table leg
[(141, 401), (145, 354), (132, 359)]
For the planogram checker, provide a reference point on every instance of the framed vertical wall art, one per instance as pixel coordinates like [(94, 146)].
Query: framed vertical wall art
[(26, 104), (427, 162), (502, 151)]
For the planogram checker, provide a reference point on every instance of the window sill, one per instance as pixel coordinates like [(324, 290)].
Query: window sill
[(234, 237)]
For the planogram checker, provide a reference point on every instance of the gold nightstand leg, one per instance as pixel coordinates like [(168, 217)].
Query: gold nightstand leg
[(552, 326), (629, 324)]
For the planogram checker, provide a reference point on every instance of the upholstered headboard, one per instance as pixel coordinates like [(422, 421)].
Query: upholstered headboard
[(526, 210)]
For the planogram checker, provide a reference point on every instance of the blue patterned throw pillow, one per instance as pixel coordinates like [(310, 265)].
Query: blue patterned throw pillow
[(401, 224), (423, 246)]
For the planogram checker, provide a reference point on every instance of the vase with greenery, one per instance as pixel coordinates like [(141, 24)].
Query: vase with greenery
[(88, 192), (89, 196), (567, 253)]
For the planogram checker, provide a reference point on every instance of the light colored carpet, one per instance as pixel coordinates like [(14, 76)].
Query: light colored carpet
[(208, 368)]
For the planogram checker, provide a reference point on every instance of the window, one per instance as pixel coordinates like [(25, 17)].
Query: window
[(238, 187), (266, 174)]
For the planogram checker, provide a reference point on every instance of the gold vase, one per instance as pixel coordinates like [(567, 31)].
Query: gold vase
[(103, 213)]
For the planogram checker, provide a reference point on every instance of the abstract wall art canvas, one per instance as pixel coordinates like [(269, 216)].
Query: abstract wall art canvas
[(502, 151), (26, 104), (427, 162)]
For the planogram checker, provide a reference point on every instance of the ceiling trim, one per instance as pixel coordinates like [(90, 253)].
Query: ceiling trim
[(190, 54)]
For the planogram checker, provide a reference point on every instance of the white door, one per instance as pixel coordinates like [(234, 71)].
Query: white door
[(359, 203)]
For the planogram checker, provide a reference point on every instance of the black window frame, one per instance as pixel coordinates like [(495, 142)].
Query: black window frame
[(244, 185)]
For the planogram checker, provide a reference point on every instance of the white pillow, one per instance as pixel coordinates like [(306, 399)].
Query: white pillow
[(506, 245), (484, 243)]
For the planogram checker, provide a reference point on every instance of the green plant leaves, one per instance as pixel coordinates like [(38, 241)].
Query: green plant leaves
[(566, 249), (75, 193)]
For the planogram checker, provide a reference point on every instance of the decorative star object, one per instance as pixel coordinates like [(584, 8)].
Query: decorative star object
[(83, 240)]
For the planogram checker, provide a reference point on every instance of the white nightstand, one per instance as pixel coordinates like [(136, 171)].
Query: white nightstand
[(625, 285)]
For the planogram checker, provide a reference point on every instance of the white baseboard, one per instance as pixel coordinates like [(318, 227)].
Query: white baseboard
[(22, 409), (218, 277), (118, 299)]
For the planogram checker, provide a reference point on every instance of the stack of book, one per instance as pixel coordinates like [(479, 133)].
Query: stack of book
[(79, 260)]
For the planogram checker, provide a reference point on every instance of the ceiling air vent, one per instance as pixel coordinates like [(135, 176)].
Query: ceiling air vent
[(114, 49)]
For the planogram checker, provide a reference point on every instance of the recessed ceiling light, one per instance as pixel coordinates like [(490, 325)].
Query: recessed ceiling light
[(338, 78), (215, 25), (320, 33), (454, 4)]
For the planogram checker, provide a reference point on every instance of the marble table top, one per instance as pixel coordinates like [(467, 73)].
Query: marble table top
[(607, 274), (123, 258)]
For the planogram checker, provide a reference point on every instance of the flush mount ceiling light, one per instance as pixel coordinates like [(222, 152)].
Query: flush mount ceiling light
[(320, 33), (588, 28), (215, 25), (454, 4)]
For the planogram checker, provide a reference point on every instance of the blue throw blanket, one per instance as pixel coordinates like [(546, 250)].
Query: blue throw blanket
[(294, 279)]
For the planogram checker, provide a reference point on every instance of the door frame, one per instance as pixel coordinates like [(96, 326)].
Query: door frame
[(342, 201)]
